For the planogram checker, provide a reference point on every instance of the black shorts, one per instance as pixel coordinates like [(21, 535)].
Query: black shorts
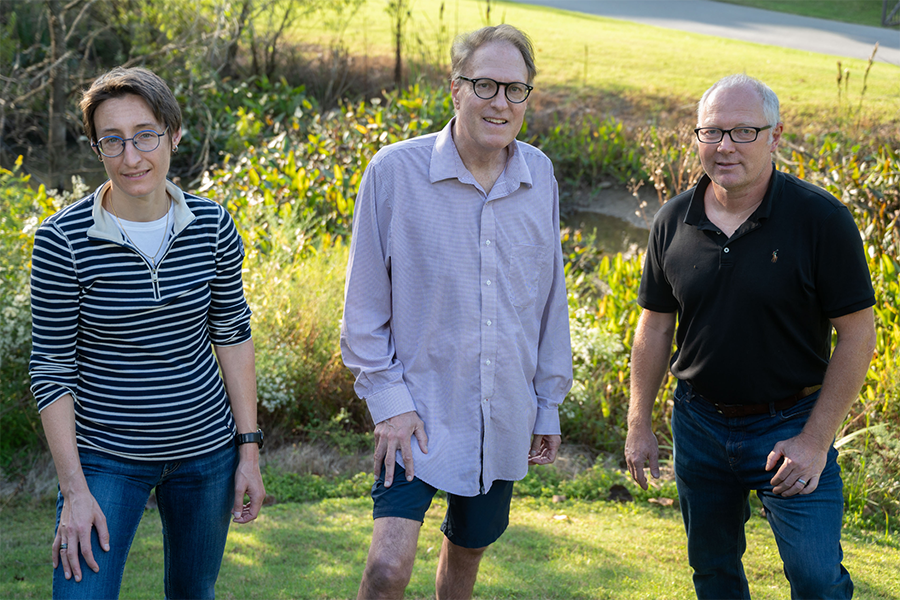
[(471, 521)]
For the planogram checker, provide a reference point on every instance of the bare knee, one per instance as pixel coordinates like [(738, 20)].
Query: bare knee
[(391, 557), (387, 574)]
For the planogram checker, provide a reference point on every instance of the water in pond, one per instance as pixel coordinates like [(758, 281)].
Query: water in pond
[(612, 234)]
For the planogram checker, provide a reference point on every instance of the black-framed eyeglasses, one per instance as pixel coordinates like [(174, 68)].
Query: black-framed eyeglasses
[(738, 135), (486, 88), (112, 146)]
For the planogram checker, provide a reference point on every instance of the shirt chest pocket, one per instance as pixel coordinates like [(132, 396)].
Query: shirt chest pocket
[(526, 263)]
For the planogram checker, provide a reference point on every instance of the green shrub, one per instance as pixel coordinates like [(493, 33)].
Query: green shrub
[(296, 487), (307, 173), (22, 208), (297, 303), (588, 150), (864, 175), (594, 483), (603, 314)]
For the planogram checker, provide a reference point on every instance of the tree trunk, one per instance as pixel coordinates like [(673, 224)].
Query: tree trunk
[(56, 135), (229, 69), (398, 32)]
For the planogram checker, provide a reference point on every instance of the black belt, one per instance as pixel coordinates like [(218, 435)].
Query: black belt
[(746, 410)]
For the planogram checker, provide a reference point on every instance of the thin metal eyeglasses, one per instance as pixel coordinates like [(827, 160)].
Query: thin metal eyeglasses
[(738, 135), (112, 146), (486, 88)]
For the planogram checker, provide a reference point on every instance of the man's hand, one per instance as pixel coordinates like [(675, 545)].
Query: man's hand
[(80, 513), (803, 463), (396, 433), (248, 480), (641, 447), (543, 449)]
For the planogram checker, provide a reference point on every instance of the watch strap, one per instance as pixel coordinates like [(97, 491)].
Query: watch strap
[(255, 437)]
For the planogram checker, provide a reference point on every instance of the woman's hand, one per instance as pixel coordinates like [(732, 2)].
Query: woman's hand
[(248, 481), (80, 513)]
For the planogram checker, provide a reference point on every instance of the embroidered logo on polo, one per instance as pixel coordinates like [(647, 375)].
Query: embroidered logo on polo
[(775, 256)]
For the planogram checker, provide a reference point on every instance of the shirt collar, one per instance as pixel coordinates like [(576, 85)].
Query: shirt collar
[(696, 214), (105, 226), (447, 164)]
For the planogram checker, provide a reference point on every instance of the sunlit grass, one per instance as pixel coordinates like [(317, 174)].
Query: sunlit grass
[(318, 550), (862, 12), (616, 61)]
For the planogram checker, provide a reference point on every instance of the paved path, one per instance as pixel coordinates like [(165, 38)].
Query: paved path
[(747, 24)]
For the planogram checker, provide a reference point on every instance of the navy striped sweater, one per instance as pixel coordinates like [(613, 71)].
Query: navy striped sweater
[(132, 343)]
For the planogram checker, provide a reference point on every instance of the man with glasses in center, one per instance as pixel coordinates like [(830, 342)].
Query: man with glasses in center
[(756, 267), (456, 320)]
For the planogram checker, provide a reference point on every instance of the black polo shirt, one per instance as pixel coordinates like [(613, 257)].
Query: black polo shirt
[(754, 309)]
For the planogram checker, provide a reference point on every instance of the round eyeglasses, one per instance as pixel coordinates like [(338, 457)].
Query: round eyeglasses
[(738, 135), (112, 146), (485, 88)]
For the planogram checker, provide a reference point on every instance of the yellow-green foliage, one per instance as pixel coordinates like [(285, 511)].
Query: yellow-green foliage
[(870, 446), (306, 173), (22, 208), (297, 302), (883, 382), (603, 315), (865, 178)]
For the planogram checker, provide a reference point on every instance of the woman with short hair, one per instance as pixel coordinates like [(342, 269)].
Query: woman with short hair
[(137, 303)]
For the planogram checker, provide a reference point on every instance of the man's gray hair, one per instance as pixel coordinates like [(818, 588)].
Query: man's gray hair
[(768, 97), (465, 45)]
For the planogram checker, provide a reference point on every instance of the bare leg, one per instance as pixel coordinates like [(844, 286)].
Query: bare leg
[(391, 556), (457, 570)]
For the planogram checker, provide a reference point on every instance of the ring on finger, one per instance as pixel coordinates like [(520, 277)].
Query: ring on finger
[(62, 547), (802, 482)]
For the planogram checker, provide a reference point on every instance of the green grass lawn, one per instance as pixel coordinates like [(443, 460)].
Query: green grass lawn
[(861, 12), (613, 64), (566, 551)]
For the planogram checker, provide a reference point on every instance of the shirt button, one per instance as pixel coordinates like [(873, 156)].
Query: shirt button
[(488, 322), (487, 362), (487, 242), (485, 400), (726, 250), (488, 282)]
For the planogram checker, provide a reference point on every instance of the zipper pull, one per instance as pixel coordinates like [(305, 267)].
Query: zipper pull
[(154, 278)]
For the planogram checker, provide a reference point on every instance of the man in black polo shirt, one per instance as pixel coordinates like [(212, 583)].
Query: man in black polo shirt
[(757, 267)]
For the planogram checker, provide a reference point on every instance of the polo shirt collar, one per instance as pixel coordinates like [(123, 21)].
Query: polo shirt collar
[(447, 164), (696, 214)]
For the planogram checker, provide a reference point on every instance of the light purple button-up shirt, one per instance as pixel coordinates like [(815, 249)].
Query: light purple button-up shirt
[(455, 307)]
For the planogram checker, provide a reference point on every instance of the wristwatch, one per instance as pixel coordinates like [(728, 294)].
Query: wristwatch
[(250, 438)]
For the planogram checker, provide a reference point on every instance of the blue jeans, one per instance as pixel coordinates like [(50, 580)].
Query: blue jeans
[(718, 461), (195, 498)]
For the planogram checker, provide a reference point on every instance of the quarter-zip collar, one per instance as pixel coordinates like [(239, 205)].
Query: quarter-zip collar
[(106, 228)]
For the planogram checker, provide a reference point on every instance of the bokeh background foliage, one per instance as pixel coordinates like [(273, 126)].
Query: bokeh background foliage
[(279, 131)]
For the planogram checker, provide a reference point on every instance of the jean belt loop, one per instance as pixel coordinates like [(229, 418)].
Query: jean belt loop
[(771, 409)]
